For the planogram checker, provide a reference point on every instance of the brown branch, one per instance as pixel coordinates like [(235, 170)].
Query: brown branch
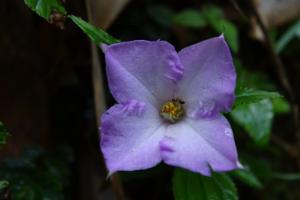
[(293, 151), (280, 69), (239, 10), (283, 78), (100, 104)]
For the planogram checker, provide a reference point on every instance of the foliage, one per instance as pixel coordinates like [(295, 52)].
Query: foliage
[(213, 17), (245, 96), (256, 118), (191, 186), (254, 108), (247, 177), (3, 134), (291, 33), (190, 18), (44, 8), (38, 175), (287, 176), (161, 14), (3, 184), (95, 34)]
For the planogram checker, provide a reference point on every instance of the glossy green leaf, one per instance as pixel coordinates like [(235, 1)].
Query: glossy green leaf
[(247, 177), (3, 134), (44, 8), (258, 82), (97, 35), (190, 18), (193, 186), (291, 33), (256, 118)]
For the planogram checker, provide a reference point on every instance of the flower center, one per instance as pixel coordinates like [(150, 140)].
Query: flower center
[(172, 111)]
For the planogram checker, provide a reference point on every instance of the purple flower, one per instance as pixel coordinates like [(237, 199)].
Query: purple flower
[(169, 106)]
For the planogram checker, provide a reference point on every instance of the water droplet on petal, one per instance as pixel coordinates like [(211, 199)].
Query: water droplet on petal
[(228, 132)]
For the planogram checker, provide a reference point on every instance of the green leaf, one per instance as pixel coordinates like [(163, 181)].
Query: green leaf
[(291, 33), (212, 13), (37, 174), (3, 134), (280, 105), (230, 32), (3, 184), (245, 96), (192, 186), (190, 18), (256, 118), (258, 82), (247, 177), (217, 21), (286, 176), (44, 8), (161, 14), (261, 167), (97, 35)]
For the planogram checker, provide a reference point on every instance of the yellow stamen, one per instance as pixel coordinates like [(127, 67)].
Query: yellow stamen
[(173, 110)]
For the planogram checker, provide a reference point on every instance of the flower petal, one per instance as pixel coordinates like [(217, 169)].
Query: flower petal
[(130, 135), (200, 145), (143, 70), (209, 77)]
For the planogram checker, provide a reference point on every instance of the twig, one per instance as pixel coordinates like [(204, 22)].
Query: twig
[(239, 10), (281, 73), (100, 104), (290, 149), (280, 68)]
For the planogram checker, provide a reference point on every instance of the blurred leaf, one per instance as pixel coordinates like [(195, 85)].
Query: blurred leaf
[(280, 105), (190, 18), (256, 118), (245, 96), (258, 165), (212, 12), (161, 14), (286, 176), (230, 32), (215, 18), (97, 35), (3, 184), (37, 174), (291, 33), (3, 134), (44, 8), (192, 186), (247, 177)]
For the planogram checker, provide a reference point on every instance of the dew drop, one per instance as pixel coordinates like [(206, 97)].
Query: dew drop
[(228, 132)]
